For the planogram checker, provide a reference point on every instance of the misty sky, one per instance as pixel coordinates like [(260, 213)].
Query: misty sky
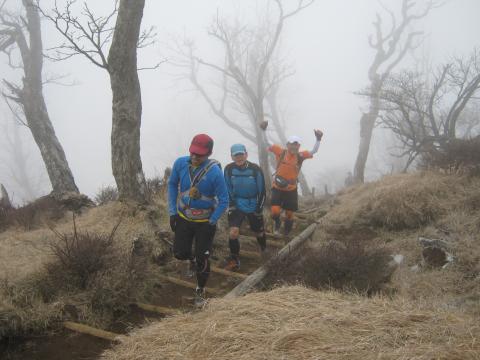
[(326, 44)]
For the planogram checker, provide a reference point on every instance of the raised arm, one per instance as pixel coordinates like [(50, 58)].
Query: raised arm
[(318, 137)]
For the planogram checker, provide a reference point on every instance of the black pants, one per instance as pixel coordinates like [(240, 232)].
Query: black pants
[(202, 233), (287, 200)]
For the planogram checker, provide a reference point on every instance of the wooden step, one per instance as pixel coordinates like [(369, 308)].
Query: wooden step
[(249, 254), (187, 284), (85, 329), (228, 273), (158, 309)]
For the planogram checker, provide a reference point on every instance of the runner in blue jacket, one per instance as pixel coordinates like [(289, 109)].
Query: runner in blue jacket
[(197, 197), (246, 189)]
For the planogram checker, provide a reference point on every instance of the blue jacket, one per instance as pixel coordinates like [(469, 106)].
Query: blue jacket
[(246, 187), (211, 186)]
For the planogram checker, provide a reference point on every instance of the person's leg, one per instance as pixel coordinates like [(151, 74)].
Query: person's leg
[(235, 219), (204, 235), (276, 209), (257, 225), (182, 244), (290, 205)]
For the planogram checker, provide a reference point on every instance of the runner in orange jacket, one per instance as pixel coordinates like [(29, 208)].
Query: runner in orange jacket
[(284, 183)]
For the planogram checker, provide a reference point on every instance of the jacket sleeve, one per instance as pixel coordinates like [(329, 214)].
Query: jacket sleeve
[(228, 183), (221, 193), (173, 182), (261, 190)]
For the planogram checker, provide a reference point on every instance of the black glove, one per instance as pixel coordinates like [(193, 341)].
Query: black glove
[(173, 222), (259, 212), (318, 134)]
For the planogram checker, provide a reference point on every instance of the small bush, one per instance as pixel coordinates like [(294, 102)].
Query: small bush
[(457, 156), (81, 256), (106, 194), (344, 266)]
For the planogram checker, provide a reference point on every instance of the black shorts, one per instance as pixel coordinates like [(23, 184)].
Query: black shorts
[(287, 200), (186, 233), (236, 217)]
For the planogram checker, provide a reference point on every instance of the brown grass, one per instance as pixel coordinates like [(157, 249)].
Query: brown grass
[(406, 201), (297, 323), (35, 284)]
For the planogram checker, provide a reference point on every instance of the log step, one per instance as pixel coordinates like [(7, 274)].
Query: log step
[(228, 273), (158, 309), (85, 329), (187, 284)]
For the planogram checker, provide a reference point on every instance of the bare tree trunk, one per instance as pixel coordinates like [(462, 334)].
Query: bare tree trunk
[(262, 147), (367, 124), (20, 162), (127, 102), (4, 198), (31, 99)]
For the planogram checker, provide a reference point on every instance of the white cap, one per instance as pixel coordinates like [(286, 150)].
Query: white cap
[(294, 139)]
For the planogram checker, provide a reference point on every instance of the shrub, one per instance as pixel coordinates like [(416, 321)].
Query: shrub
[(456, 156), (81, 255), (106, 194), (345, 266)]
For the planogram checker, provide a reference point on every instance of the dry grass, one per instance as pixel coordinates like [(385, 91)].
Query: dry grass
[(406, 201), (34, 285), (298, 323), (396, 210)]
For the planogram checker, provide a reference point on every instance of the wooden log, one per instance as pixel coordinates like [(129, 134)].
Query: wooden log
[(228, 273), (253, 240), (258, 275), (250, 254), (85, 329), (187, 284), (158, 309)]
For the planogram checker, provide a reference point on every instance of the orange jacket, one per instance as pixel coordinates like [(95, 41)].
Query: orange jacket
[(288, 167)]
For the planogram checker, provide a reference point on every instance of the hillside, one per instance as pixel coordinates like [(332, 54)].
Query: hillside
[(422, 312)]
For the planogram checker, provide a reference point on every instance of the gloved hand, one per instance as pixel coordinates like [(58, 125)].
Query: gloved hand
[(173, 222), (263, 125), (318, 134), (259, 212)]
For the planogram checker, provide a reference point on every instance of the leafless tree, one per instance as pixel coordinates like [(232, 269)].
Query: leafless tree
[(425, 111), (112, 47), (22, 33), (246, 74), (17, 166), (390, 49)]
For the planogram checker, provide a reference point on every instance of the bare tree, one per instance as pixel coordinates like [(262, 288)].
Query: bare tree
[(16, 163), (90, 35), (246, 73), (24, 33), (390, 49), (428, 111)]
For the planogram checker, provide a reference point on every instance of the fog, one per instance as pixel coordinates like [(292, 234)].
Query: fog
[(327, 45)]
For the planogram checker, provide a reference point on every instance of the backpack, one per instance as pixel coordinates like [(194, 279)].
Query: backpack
[(280, 181)]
